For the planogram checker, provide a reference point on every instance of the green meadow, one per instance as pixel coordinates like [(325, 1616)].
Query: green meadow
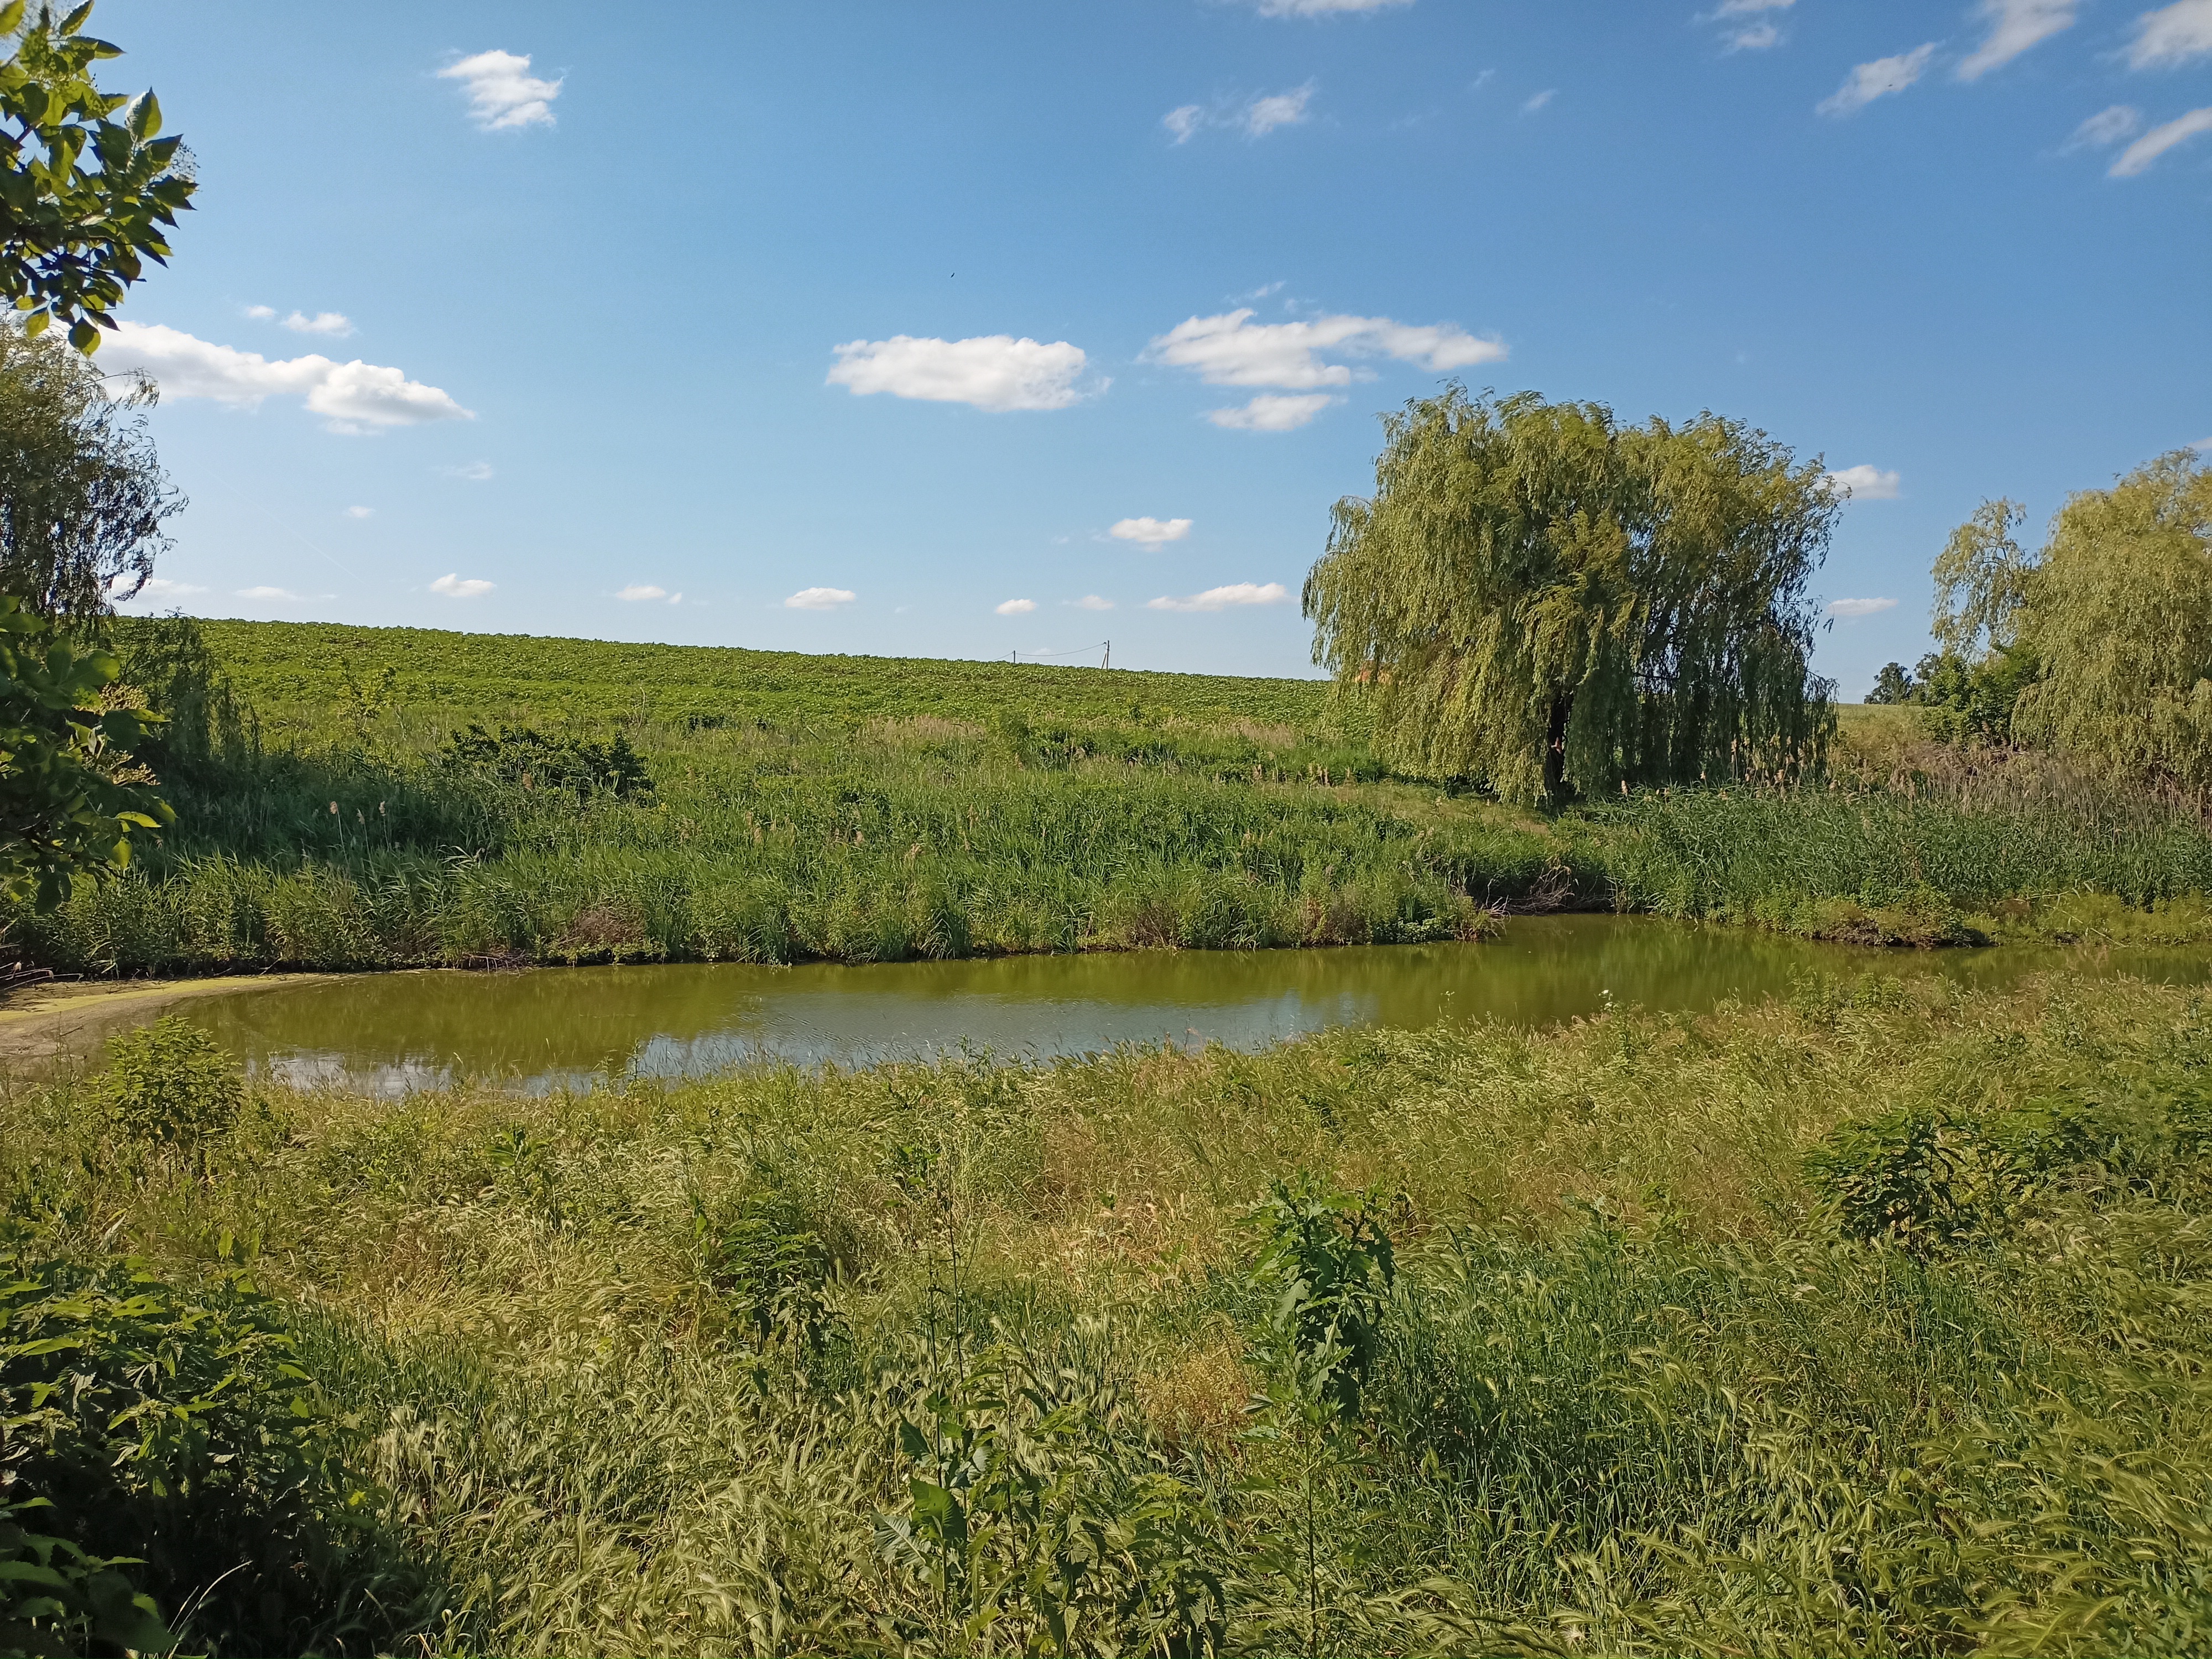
[(333, 816), (1869, 1322)]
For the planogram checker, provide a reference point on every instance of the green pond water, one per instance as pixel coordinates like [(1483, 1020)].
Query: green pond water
[(390, 1033)]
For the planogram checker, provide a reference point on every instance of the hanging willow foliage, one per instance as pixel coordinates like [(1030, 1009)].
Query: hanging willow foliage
[(1542, 599)]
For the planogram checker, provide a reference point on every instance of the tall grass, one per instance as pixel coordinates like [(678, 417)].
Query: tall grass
[(1871, 1323)]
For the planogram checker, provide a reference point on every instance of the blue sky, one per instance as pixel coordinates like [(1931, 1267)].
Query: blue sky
[(859, 326)]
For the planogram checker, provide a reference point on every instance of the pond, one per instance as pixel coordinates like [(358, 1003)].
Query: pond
[(391, 1033)]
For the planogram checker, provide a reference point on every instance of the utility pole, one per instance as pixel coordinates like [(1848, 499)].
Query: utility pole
[(1109, 663)]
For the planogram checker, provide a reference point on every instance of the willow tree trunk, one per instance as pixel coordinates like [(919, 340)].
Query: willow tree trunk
[(1555, 748)]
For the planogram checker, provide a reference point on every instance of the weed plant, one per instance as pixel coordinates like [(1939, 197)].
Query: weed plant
[(1874, 1321)]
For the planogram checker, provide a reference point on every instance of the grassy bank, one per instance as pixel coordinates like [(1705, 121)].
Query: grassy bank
[(859, 810), (1873, 1323)]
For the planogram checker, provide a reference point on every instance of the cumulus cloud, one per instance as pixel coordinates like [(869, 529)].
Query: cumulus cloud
[(2159, 140), (474, 471), (1323, 8), (269, 594), (1090, 602), (502, 93), (1862, 483), (2015, 26), (2171, 35), (1221, 598), (2106, 126), (1531, 104), (638, 591), (1273, 412), (1149, 533), (261, 314), (1848, 608), (995, 372), (1750, 7), (353, 398), (1015, 607), (1278, 109), (1878, 79), (1184, 120), (820, 598), (361, 512), (1754, 37), (1231, 350), (456, 587)]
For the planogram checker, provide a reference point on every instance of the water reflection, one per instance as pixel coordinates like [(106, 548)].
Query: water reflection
[(391, 1033)]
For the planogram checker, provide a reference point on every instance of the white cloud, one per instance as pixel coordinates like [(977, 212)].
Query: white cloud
[(1149, 533), (1255, 117), (1324, 8), (638, 591), (1877, 80), (158, 588), (1536, 102), (456, 587), (354, 397), (502, 91), (1015, 607), (1278, 109), (995, 372), (323, 322), (2159, 140), (820, 598), (2106, 126), (1748, 37), (1756, 37), (1090, 602), (1848, 608), (261, 314), (2015, 26), (269, 594), (2171, 35), (1862, 483), (361, 512), (1231, 350), (474, 471), (1273, 412), (1220, 599)]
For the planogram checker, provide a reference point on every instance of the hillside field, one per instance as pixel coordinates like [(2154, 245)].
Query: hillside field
[(398, 797)]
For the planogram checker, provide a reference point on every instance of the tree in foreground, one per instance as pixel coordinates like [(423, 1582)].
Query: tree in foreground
[(1543, 599), (74, 237), (70, 796)]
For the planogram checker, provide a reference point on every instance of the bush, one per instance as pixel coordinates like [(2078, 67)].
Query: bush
[(168, 1082)]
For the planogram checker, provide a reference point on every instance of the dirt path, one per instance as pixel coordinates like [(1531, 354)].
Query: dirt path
[(42, 1022)]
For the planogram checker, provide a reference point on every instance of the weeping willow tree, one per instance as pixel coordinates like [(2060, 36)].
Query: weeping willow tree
[(2119, 611), (1543, 599)]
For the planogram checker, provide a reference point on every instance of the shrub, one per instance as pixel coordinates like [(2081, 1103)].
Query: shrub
[(168, 1082)]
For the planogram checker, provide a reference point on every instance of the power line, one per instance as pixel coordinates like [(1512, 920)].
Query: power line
[(1105, 648)]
